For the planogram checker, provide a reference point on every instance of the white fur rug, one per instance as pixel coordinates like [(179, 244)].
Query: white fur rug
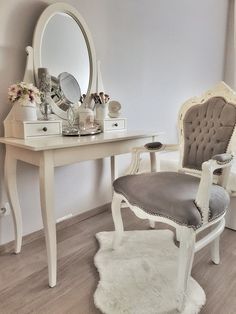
[(140, 276)]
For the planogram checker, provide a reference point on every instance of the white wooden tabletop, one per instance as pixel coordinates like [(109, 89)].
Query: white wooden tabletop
[(46, 143)]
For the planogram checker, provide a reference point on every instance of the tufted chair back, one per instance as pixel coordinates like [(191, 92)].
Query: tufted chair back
[(207, 130)]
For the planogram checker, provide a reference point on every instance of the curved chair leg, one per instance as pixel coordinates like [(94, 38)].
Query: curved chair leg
[(215, 251), (177, 234), (117, 219), (152, 224), (186, 255)]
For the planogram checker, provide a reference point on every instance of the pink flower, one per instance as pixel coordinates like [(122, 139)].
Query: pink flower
[(24, 92)]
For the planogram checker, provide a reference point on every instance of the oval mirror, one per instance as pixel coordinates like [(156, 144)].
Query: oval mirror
[(63, 44)]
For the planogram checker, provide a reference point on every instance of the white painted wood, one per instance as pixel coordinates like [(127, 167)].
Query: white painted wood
[(37, 42), (48, 153), (91, 152), (136, 156), (186, 255), (99, 81), (231, 214), (30, 129), (224, 178), (46, 175), (29, 68), (113, 124), (114, 170), (177, 234), (143, 215), (11, 187), (214, 234), (203, 194), (117, 218), (135, 162), (66, 141), (210, 224), (152, 224), (12, 128), (42, 128), (153, 162), (199, 244), (186, 235), (215, 251)]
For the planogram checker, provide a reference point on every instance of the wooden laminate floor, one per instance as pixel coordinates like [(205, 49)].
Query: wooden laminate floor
[(23, 277)]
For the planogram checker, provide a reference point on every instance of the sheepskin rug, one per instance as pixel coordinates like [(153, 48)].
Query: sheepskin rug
[(140, 276)]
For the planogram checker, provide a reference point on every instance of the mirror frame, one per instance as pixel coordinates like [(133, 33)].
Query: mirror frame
[(37, 43)]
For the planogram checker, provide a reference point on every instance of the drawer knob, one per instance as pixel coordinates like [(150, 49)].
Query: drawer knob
[(115, 124), (45, 129)]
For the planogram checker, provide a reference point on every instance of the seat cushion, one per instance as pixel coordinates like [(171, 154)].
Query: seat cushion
[(171, 195)]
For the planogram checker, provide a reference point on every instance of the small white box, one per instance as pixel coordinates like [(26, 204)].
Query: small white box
[(32, 129), (113, 124)]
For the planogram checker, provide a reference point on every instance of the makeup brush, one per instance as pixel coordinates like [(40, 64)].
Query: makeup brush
[(102, 97), (107, 98)]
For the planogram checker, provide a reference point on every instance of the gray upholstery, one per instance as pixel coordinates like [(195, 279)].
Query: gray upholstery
[(223, 158), (208, 128), (153, 145), (171, 195)]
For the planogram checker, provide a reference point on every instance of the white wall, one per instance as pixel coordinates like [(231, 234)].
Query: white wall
[(154, 55), (229, 72)]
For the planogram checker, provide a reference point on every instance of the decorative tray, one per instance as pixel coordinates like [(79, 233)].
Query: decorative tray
[(80, 132)]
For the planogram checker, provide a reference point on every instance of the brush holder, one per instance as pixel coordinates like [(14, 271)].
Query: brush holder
[(101, 111)]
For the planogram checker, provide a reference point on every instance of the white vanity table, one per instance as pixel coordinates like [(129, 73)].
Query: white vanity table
[(50, 152), (39, 147)]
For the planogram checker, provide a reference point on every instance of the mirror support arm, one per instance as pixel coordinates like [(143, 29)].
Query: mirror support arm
[(29, 68)]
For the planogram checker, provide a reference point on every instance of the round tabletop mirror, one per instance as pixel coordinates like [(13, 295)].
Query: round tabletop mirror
[(65, 90), (69, 87), (62, 43)]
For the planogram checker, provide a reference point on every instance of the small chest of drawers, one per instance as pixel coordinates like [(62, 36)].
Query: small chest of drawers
[(42, 128), (35, 129), (113, 124)]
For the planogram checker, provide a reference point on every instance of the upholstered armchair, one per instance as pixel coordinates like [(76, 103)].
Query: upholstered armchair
[(195, 197)]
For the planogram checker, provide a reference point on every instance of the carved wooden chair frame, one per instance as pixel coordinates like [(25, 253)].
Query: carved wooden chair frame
[(185, 235)]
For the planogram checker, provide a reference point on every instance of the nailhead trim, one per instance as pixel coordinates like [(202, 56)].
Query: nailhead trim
[(224, 162), (172, 218), (160, 215)]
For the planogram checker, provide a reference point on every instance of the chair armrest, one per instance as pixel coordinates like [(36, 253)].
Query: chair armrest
[(208, 167), (153, 147), (222, 159)]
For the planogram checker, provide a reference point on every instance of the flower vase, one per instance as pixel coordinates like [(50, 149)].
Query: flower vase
[(25, 111)]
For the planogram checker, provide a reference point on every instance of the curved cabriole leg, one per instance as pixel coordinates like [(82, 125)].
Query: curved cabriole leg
[(177, 234), (117, 219), (186, 255), (11, 187), (215, 251)]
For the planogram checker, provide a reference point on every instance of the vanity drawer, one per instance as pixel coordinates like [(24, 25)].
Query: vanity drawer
[(113, 124), (42, 128)]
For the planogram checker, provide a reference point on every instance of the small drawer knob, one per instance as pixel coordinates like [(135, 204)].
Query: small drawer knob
[(45, 129), (115, 124)]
